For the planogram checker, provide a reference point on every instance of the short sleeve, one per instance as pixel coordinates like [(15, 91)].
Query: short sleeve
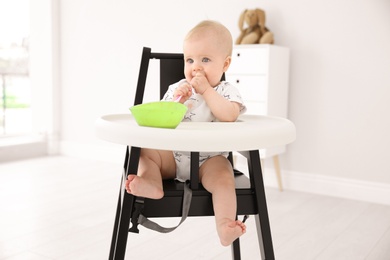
[(231, 93), (168, 96)]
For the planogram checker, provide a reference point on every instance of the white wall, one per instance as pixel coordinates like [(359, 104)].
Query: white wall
[(45, 71), (339, 81)]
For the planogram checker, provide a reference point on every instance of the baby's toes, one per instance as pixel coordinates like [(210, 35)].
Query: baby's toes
[(241, 225)]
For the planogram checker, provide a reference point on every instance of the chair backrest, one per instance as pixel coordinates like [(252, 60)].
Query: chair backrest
[(171, 71)]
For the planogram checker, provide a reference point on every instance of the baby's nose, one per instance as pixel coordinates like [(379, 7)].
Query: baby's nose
[(198, 73), (197, 69)]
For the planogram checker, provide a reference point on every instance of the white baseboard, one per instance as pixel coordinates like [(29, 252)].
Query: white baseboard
[(304, 182), (331, 186), (22, 147)]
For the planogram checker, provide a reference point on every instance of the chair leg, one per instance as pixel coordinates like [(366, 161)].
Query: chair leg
[(124, 209), (123, 227), (236, 254), (118, 209), (277, 171), (262, 220), (260, 237), (116, 225)]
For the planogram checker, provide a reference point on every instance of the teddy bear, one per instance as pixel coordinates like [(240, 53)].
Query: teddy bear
[(256, 32)]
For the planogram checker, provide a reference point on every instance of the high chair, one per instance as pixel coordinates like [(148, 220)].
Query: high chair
[(251, 198)]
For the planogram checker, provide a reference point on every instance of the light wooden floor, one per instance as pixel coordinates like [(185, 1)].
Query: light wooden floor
[(63, 208)]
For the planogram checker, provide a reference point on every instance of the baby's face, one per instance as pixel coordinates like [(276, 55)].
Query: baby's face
[(204, 55)]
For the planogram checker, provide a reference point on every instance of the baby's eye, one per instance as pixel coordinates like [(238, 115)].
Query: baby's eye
[(190, 60), (205, 60)]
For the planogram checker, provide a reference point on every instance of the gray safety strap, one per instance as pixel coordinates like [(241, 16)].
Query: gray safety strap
[(144, 221)]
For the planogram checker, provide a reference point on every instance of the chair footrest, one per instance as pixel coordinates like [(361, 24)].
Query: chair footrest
[(201, 205)]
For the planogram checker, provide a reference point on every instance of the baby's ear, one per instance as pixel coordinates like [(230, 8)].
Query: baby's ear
[(227, 62)]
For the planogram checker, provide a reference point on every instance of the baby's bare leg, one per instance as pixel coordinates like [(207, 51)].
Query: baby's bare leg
[(216, 175), (154, 165)]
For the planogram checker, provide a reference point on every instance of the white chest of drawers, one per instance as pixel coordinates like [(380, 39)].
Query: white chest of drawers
[(261, 73)]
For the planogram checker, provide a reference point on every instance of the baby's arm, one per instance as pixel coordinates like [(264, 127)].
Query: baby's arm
[(184, 90), (224, 110)]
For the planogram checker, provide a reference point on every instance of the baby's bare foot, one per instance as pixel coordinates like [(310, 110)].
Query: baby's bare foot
[(230, 230), (141, 187)]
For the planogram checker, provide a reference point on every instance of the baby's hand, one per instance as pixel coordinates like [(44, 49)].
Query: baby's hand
[(200, 83), (184, 90)]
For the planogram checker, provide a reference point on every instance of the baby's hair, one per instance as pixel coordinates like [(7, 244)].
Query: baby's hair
[(224, 36)]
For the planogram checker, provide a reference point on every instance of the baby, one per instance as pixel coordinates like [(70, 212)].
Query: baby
[(207, 55)]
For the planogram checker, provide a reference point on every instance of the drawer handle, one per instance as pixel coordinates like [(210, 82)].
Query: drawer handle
[(238, 54), (237, 81)]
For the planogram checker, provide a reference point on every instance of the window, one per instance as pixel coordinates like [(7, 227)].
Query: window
[(29, 106), (15, 89)]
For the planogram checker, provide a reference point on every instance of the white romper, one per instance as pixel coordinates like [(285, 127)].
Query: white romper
[(198, 111)]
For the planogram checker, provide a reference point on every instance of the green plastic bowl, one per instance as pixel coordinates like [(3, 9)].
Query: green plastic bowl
[(163, 114)]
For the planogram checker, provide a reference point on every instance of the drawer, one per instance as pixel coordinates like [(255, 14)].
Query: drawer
[(249, 61), (252, 88), (256, 108)]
